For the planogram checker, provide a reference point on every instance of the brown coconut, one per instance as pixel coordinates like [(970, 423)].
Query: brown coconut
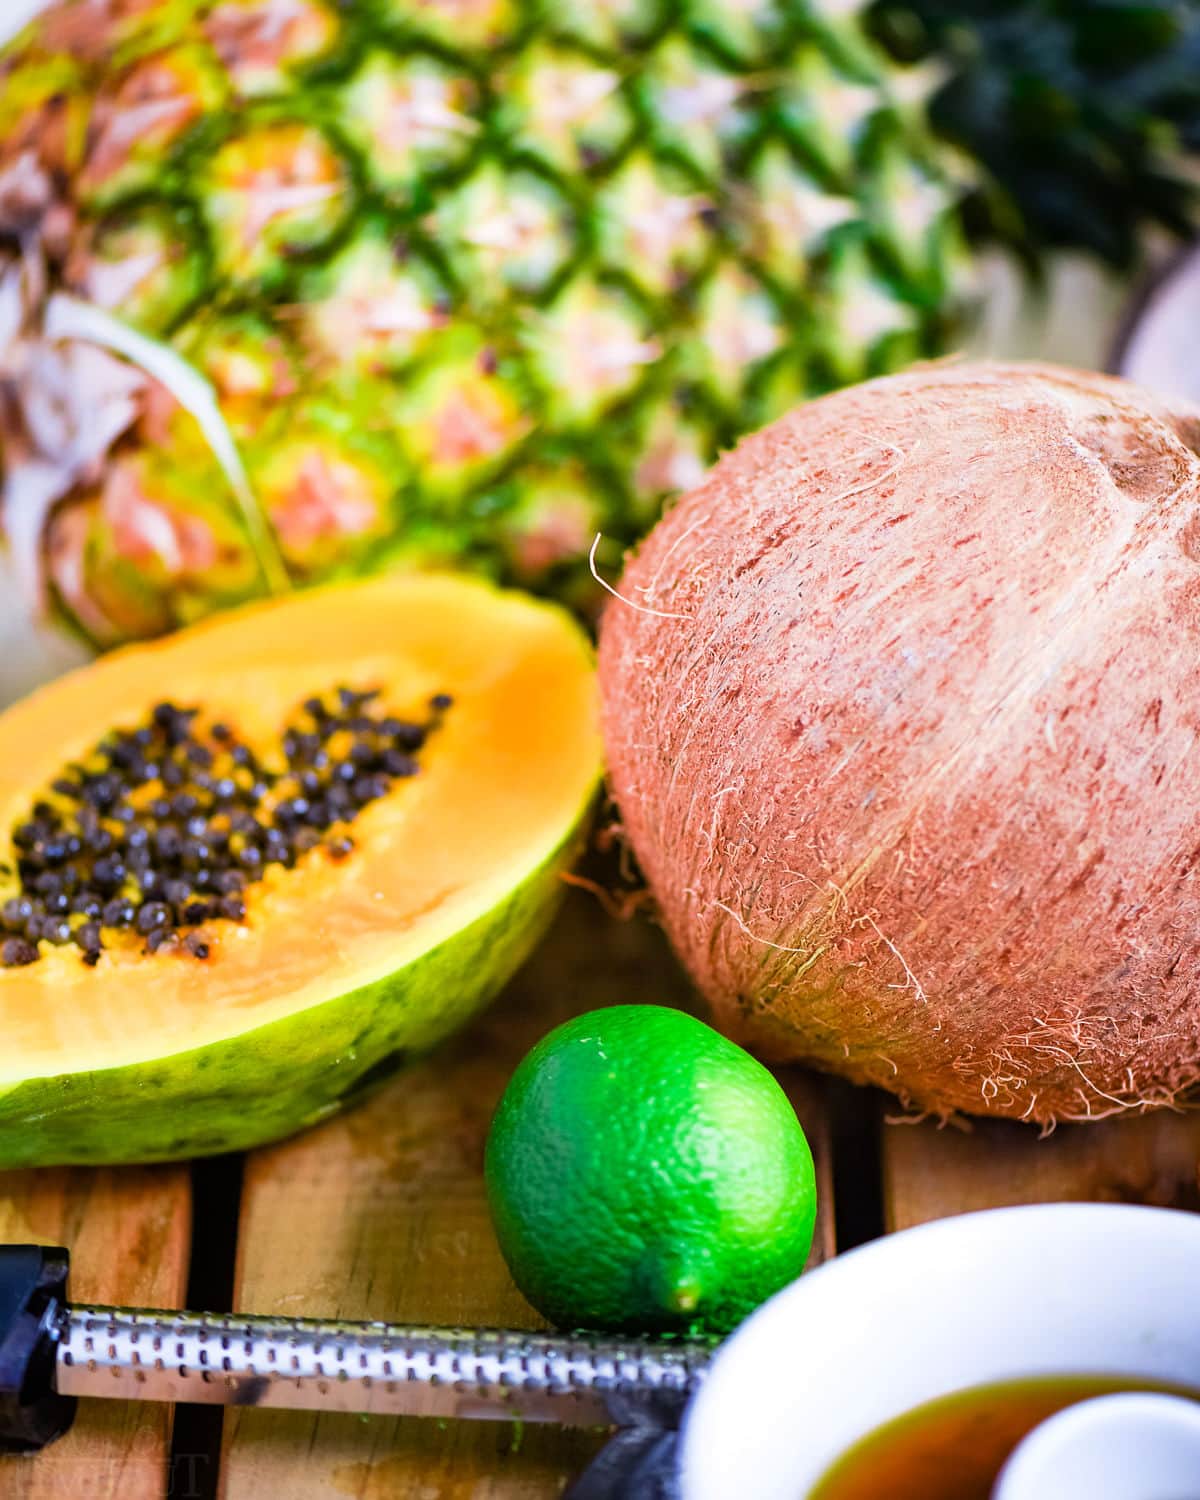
[(902, 715)]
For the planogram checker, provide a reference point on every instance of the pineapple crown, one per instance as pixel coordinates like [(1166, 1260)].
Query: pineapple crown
[(1082, 111)]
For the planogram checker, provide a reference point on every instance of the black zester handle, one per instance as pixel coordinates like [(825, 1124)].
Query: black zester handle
[(33, 1297)]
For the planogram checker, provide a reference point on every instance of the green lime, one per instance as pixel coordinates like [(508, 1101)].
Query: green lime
[(646, 1174)]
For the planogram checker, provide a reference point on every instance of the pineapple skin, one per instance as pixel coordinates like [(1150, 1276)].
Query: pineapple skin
[(472, 280)]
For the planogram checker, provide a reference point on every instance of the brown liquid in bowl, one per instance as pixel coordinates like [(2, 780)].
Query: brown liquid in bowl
[(954, 1448)]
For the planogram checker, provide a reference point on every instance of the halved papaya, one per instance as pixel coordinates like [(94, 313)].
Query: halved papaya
[(412, 760)]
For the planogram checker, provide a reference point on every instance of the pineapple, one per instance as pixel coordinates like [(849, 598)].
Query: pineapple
[(296, 288)]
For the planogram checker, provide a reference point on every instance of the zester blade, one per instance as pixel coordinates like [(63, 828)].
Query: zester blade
[(325, 1365)]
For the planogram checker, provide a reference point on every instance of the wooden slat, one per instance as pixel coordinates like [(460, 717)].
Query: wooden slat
[(128, 1232), (808, 1093), (382, 1214), (929, 1173)]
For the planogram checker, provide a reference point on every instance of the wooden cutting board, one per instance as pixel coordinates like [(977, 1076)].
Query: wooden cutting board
[(381, 1214)]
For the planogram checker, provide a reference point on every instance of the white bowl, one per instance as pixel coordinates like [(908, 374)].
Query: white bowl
[(1054, 1289), (1159, 349)]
